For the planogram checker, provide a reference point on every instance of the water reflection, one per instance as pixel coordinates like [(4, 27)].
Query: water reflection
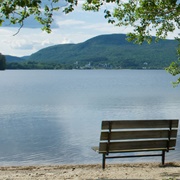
[(49, 117)]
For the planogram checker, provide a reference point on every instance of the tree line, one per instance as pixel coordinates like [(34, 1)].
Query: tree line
[(2, 62)]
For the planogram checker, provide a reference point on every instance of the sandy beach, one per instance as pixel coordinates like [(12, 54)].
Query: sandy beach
[(93, 171)]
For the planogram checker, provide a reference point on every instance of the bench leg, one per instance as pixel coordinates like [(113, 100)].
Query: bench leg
[(163, 157), (103, 161)]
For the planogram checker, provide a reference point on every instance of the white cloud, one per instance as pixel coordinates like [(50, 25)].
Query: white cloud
[(20, 44), (69, 22), (46, 42), (66, 41)]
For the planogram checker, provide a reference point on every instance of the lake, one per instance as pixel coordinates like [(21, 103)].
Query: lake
[(54, 116)]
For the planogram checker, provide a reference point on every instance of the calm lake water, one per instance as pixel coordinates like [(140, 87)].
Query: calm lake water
[(54, 116)]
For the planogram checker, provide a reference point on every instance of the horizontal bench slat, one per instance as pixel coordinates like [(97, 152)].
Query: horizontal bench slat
[(96, 149), (144, 150), (132, 145), (141, 134), (130, 124)]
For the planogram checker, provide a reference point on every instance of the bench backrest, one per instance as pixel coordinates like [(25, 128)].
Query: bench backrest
[(138, 135)]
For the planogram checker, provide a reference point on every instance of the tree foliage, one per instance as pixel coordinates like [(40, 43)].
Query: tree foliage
[(174, 67), (16, 11), (163, 16), (145, 16), (2, 62)]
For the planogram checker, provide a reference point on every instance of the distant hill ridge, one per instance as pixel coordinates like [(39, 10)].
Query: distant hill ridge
[(13, 58), (109, 51)]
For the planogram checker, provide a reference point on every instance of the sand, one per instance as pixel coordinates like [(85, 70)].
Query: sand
[(93, 171)]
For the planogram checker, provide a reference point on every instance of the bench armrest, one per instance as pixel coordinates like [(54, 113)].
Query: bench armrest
[(95, 148)]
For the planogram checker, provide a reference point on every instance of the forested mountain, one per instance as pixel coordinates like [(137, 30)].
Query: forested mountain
[(13, 58), (14, 62), (105, 51), (111, 51)]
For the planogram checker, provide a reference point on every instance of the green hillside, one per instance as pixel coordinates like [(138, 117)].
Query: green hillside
[(11, 59), (106, 51), (14, 62), (109, 51)]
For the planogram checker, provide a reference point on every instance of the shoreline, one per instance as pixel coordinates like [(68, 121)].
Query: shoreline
[(152, 170)]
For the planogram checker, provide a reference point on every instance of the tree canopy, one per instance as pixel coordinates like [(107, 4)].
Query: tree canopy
[(161, 16), (2, 62)]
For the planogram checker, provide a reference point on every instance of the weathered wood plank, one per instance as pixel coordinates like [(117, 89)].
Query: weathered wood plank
[(137, 150), (130, 124), (141, 134), (145, 145)]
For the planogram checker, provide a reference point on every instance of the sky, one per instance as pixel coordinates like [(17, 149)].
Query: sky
[(74, 27)]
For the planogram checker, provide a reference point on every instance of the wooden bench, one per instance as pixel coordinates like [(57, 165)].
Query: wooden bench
[(124, 136)]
